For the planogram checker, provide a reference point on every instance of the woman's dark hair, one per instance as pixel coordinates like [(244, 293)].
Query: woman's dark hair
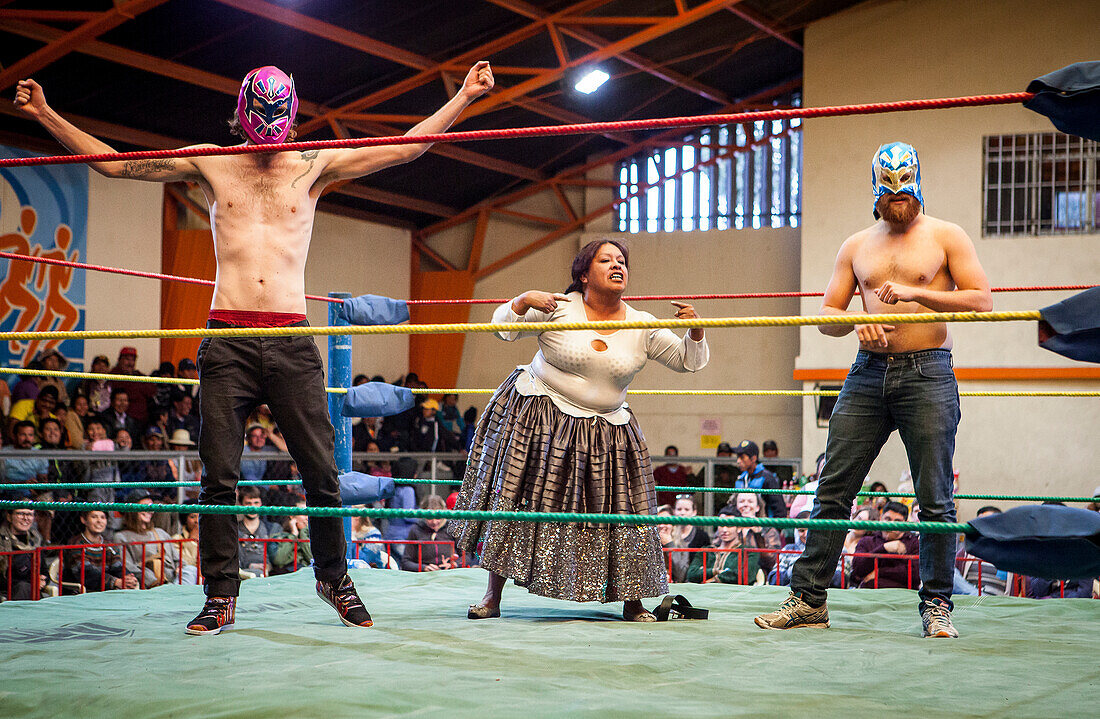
[(896, 507), (583, 260)]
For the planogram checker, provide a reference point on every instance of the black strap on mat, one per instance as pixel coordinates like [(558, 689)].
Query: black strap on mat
[(678, 605)]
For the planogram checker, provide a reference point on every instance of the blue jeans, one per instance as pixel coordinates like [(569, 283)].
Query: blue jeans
[(916, 394)]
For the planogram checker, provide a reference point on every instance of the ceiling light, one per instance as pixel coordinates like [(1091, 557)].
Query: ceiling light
[(591, 81)]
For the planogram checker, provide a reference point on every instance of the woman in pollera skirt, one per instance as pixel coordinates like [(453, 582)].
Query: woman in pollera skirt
[(558, 436)]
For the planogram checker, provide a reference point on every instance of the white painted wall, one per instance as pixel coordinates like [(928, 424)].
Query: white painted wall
[(882, 51), (124, 230)]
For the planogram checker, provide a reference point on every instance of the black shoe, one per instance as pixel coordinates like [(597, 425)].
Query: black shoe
[(216, 615), (341, 596)]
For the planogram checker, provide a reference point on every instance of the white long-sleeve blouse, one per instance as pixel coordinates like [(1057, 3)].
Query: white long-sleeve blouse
[(583, 381)]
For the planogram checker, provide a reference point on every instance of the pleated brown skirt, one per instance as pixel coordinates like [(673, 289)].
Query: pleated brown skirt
[(530, 456)]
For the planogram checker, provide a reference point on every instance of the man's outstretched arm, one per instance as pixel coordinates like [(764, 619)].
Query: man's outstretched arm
[(31, 101), (347, 164)]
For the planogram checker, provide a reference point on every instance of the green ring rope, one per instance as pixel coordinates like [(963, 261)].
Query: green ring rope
[(659, 488), (484, 516)]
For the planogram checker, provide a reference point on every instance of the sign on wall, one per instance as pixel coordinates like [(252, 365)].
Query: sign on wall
[(44, 213)]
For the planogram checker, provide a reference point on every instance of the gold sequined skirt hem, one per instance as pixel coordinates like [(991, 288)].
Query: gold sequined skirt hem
[(529, 456)]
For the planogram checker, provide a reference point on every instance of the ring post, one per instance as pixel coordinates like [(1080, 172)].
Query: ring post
[(339, 375)]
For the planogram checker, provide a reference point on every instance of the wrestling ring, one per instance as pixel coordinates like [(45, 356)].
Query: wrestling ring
[(124, 654)]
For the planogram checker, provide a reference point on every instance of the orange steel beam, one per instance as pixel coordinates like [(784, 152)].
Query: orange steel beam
[(142, 61), (396, 200), (362, 43), (332, 33), (181, 197), (611, 20), (460, 61), (610, 50), (377, 48), (103, 22), (110, 130), (565, 204), (762, 23), (559, 46), (231, 86), (455, 152), (537, 219), (631, 58), (418, 244), (480, 228), (49, 15)]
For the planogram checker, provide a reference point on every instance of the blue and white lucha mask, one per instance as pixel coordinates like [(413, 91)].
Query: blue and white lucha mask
[(895, 169)]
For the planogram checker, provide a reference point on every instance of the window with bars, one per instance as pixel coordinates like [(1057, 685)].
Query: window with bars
[(1040, 184), (729, 176)]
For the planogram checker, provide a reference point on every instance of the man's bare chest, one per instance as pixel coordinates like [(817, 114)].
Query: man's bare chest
[(916, 263), (264, 193)]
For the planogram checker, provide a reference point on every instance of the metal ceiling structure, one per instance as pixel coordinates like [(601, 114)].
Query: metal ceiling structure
[(165, 73)]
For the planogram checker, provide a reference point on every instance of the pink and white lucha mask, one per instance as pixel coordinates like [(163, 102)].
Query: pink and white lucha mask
[(266, 105)]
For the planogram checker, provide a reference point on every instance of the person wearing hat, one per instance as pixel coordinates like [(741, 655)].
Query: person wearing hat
[(48, 359), (755, 476), (156, 470), (141, 394), (34, 410), (98, 391), (181, 441), (428, 433)]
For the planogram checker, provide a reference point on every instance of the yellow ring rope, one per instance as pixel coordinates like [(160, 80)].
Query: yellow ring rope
[(637, 392), (439, 329)]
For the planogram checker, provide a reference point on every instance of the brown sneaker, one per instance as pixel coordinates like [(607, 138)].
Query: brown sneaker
[(342, 597), (936, 619), (217, 614), (794, 613)]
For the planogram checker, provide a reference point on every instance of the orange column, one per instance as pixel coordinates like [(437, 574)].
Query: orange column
[(436, 358), (188, 253)]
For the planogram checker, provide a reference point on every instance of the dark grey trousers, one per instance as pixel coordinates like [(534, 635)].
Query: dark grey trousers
[(236, 376)]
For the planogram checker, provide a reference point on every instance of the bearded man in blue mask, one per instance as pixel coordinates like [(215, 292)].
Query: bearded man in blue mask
[(902, 378)]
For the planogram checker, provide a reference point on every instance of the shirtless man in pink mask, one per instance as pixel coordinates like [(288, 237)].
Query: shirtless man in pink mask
[(261, 212)]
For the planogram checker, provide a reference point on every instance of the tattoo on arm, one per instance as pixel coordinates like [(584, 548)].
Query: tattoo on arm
[(144, 168), (310, 155)]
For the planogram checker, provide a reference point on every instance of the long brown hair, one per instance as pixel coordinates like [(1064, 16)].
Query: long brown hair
[(583, 260)]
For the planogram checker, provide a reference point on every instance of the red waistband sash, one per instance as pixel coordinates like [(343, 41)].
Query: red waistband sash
[(248, 318)]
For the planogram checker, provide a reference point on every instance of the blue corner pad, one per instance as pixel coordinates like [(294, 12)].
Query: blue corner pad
[(375, 310), (377, 399), (359, 488)]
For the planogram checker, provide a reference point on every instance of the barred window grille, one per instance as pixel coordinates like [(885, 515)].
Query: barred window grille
[(1040, 184), (729, 176)]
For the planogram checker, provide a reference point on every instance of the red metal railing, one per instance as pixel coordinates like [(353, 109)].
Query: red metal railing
[(40, 558)]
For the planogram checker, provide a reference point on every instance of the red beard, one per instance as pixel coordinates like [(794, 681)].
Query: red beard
[(898, 214)]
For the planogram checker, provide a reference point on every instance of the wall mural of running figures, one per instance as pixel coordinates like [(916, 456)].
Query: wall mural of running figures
[(44, 213)]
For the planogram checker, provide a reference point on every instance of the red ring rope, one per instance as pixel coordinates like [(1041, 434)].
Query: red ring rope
[(635, 298), (659, 123), (131, 273)]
